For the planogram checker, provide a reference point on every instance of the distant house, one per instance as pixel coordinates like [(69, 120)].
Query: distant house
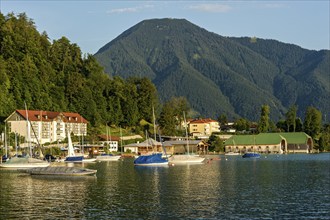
[(171, 147), (46, 126), (228, 127), (297, 142), (203, 127), (145, 147), (111, 141), (183, 146)]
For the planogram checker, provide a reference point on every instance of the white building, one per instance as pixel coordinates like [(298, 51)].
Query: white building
[(46, 126), (203, 127)]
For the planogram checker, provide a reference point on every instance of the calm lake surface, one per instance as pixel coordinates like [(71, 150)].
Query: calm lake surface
[(295, 186)]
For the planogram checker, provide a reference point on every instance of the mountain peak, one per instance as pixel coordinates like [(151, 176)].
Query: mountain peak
[(219, 74)]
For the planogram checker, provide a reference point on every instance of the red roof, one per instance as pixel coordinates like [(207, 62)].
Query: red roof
[(39, 115), (105, 137), (201, 121)]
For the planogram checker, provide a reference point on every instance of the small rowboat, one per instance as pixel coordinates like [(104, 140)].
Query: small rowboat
[(61, 171)]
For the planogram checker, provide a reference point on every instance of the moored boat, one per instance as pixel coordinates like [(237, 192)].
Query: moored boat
[(232, 154), (61, 171), (108, 157), (24, 163), (251, 155), (151, 160), (186, 158), (72, 157)]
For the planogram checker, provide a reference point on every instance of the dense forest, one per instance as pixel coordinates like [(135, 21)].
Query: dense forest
[(56, 76), (220, 75)]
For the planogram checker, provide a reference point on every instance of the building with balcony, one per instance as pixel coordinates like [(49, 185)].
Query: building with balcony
[(46, 126), (203, 127)]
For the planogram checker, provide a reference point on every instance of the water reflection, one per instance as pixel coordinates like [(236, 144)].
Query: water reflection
[(285, 186)]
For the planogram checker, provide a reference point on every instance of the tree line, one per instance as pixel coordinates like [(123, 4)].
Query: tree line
[(311, 125)]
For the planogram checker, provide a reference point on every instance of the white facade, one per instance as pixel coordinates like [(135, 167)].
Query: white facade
[(45, 126)]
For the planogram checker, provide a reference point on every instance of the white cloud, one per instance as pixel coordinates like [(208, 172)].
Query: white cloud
[(128, 10), (215, 8)]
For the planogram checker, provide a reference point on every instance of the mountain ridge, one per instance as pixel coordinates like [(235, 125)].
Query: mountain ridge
[(220, 75)]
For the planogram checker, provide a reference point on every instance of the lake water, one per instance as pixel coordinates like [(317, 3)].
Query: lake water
[(295, 186)]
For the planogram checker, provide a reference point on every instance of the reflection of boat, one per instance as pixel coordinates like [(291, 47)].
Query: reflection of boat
[(251, 155), (61, 171), (232, 154), (151, 160), (72, 157), (108, 157)]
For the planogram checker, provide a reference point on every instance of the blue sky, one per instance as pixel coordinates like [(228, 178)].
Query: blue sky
[(92, 24)]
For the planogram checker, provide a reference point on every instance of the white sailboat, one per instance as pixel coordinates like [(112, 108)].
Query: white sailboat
[(108, 157), (72, 157), (27, 161), (186, 158)]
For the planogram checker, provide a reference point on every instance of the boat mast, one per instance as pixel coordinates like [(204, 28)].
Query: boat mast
[(6, 147), (106, 130), (121, 142), (15, 143), (28, 130), (185, 122), (154, 118)]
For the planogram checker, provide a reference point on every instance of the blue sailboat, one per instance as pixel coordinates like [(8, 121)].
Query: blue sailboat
[(251, 155), (155, 159)]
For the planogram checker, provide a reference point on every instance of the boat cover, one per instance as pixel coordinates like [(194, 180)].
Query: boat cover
[(150, 159)]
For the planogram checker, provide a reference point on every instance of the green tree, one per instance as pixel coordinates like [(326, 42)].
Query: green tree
[(222, 119), (291, 118), (264, 119), (146, 97), (313, 122), (242, 124), (215, 143), (168, 120), (324, 141)]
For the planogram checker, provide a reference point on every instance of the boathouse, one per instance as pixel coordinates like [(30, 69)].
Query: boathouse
[(296, 142)]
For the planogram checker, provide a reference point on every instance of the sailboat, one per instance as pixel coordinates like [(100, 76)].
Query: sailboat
[(72, 157), (27, 161), (108, 157), (252, 154), (154, 159), (186, 158)]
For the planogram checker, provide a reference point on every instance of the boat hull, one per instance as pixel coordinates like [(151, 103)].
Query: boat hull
[(183, 159), (61, 171), (251, 155), (108, 158), (150, 160), (73, 159), (24, 163)]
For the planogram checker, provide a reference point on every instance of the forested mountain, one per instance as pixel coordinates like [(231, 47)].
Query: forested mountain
[(217, 74), (54, 76)]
